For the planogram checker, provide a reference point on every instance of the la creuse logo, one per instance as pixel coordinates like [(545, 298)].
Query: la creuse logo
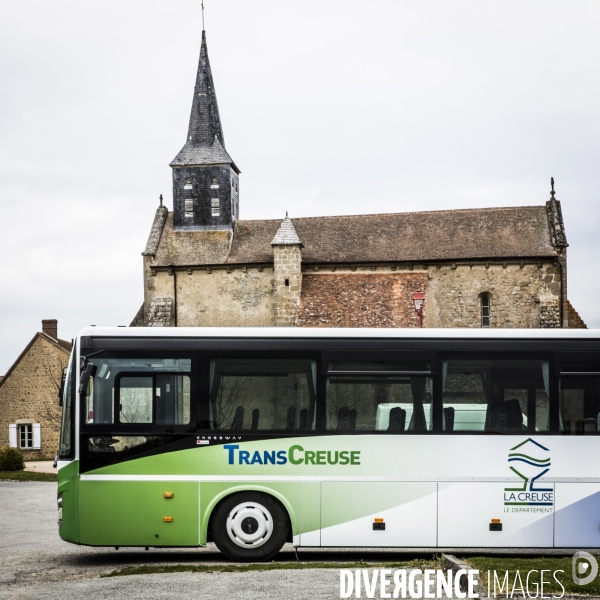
[(533, 462)]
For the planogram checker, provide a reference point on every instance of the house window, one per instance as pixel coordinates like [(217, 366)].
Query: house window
[(188, 184), (189, 207), (215, 184), (25, 436), (214, 205), (485, 310)]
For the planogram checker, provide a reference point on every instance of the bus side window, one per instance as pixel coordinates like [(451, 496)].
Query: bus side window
[(262, 395), (379, 396), (579, 400), (499, 396), (146, 390)]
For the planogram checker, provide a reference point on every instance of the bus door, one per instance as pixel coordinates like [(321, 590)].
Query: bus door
[(133, 412)]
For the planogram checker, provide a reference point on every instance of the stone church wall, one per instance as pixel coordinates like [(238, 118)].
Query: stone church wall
[(518, 295), (242, 297)]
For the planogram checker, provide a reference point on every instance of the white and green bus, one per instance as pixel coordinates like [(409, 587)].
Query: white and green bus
[(173, 437)]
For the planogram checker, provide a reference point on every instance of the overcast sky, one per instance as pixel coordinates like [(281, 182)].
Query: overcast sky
[(328, 107)]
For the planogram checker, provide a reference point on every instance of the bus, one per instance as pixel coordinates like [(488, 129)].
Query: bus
[(254, 437)]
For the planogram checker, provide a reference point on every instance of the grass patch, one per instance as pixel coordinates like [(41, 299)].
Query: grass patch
[(272, 566), (524, 566), (28, 476)]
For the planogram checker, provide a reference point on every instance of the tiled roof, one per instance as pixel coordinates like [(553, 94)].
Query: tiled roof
[(62, 344), (493, 233)]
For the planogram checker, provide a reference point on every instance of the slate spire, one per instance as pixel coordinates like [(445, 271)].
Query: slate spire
[(205, 144), (205, 122)]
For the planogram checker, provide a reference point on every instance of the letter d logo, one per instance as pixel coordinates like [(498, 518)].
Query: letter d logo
[(581, 562)]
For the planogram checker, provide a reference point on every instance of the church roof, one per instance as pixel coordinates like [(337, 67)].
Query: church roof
[(480, 233), (205, 144)]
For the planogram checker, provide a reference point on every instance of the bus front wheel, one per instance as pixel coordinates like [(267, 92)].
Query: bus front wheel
[(250, 526)]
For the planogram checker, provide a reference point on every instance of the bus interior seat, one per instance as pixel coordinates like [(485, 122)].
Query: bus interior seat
[(397, 420), (303, 426), (449, 418), (589, 425), (343, 420), (496, 418), (238, 418), (291, 419), (352, 419), (514, 415), (255, 417)]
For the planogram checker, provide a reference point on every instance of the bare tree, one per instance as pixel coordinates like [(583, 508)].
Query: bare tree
[(136, 405), (232, 393), (52, 371)]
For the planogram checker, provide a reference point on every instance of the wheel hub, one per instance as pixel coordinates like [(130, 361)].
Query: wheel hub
[(249, 525)]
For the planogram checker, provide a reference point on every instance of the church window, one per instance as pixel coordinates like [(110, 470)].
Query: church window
[(485, 310), (189, 207), (214, 205), (215, 184)]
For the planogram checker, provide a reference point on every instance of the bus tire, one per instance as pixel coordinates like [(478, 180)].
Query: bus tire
[(250, 527)]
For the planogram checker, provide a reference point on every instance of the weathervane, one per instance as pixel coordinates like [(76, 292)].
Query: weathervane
[(202, 15)]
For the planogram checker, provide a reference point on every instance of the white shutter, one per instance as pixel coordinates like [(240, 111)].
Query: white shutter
[(37, 436), (12, 436)]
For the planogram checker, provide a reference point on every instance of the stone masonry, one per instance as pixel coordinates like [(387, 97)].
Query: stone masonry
[(287, 283), (29, 393)]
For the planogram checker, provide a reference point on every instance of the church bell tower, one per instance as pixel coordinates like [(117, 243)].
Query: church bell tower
[(205, 178)]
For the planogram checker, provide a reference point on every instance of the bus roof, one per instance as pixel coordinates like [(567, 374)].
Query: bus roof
[(341, 333)]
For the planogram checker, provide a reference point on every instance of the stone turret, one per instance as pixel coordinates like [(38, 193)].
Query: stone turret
[(287, 273)]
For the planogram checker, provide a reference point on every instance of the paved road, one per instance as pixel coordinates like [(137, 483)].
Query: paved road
[(36, 563)]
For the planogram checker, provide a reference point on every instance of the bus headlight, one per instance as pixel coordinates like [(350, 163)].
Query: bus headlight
[(60, 503)]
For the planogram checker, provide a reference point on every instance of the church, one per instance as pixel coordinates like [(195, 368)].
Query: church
[(204, 266)]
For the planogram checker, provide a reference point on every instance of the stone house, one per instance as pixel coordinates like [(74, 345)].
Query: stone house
[(204, 266), (29, 411)]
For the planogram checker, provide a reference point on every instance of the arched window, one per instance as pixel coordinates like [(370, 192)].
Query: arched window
[(215, 184), (485, 310)]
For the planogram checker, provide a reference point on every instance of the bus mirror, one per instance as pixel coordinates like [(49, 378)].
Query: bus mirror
[(84, 379), (61, 390)]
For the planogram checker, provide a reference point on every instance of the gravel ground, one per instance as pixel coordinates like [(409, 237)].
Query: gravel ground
[(36, 563)]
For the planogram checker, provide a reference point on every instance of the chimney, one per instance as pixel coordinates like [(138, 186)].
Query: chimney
[(50, 327)]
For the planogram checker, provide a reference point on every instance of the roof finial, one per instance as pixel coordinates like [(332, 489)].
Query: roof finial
[(202, 15), (552, 184), (161, 199), (286, 215)]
